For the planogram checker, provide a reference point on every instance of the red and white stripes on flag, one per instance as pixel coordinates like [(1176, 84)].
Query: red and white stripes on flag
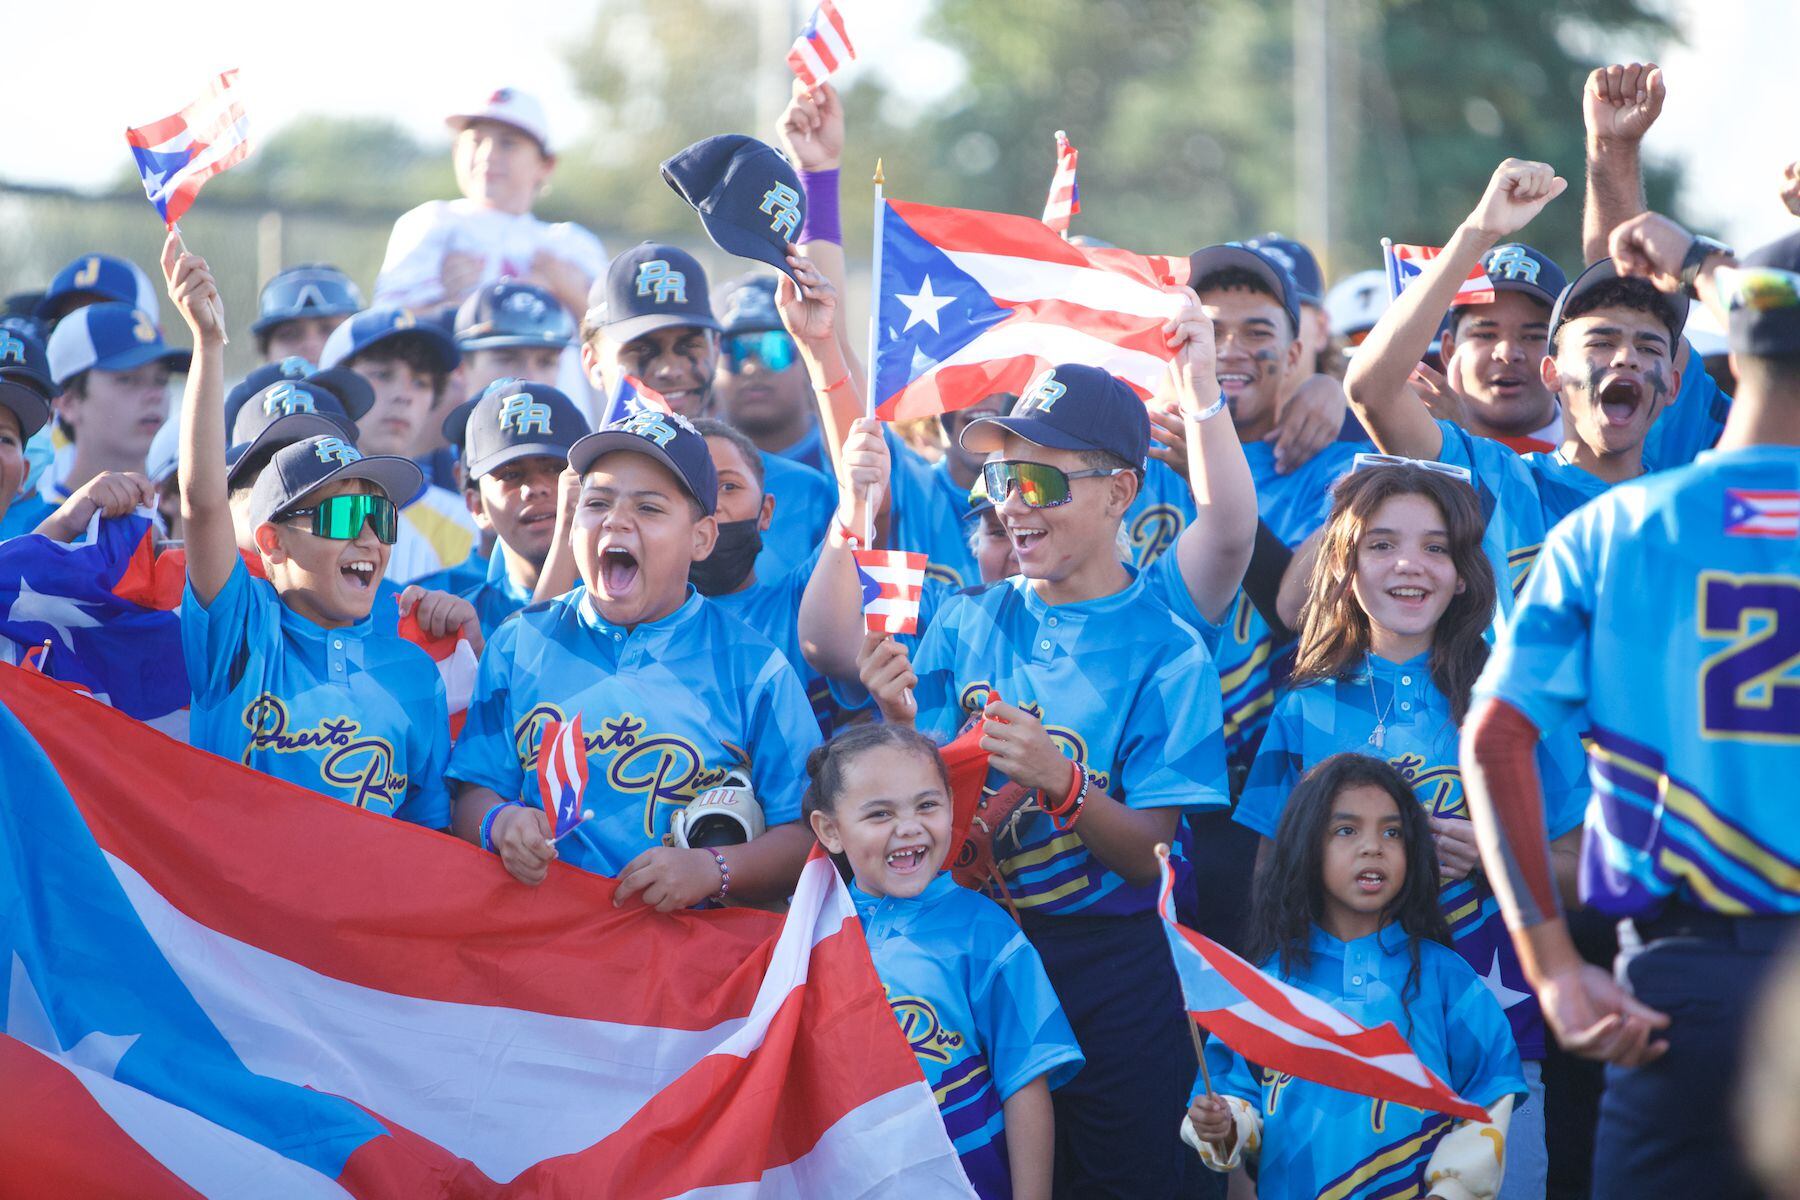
[(893, 582), (823, 46), (562, 773), (1406, 263), (1282, 1028), (457, 664), (179, 153), (1065, 199)]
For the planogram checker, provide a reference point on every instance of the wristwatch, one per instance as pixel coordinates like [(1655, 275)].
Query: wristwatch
[(1702, 249)]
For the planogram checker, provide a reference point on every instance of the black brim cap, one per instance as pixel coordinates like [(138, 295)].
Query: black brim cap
[(1070, 406), (298, 470), (667, 438), (1235, 256), (1604, 272), (27, 403), (747, 194), (241, 458), (511, 420)]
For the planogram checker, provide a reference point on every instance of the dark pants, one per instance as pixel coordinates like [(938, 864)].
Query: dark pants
[(1118, 1122), (1666, 1129)]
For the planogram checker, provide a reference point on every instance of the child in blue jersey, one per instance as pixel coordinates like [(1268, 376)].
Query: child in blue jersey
[(1391, 642), (1346, 908), (290, 675), (674, 693), (969, 991)]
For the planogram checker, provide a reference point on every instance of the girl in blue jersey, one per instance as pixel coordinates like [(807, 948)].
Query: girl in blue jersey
[(1392, 639), (969, 991), (1346, 908)]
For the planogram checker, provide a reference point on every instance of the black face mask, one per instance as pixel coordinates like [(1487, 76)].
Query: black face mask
[(733, 554)]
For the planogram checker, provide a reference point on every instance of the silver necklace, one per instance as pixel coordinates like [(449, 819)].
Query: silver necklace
[(1378, 737)]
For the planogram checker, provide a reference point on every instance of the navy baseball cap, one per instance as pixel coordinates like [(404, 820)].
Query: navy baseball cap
[(312, 290), (1070, 407), (353, 393), (747, 194), (649, 287), (1302, 267), (747, 305), (1516, 267), (377, 326), (1260, 263), (1760, 324), (108, 336), (513, 420), (96, 278), (305, 466), (509, 313), (25, 384), (669, 438), (1604, 272), (285, 412)]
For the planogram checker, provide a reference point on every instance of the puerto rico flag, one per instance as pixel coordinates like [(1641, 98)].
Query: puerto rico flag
[(219, 984), (1284, 1029), (1406, 263), (823, 46), (1065, 198), (562, 773), (893, 582), (457, 664), (972, 303), (1762, 512), (178, 154), (631, 397)]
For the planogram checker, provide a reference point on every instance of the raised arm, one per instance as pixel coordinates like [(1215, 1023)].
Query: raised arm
[(1618, 106), (831, 616), (205, 511), (1377, 380), (811, 130)]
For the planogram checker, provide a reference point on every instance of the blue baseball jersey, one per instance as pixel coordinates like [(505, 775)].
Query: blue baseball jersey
[(25, 514), (772, 608), (1420, 739), (1320, 1141), (353, 713), (667, 708), (495, 596), (1522, 496), (804, 502), (1121, 685), (973, 1000), (1689, 575), (1691, 423), (468, 573), (1253, 668), (922, 519), (1163, 508), (1295, 504), (809, 451)]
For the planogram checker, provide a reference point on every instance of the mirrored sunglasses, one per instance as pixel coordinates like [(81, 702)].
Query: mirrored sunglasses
[(1762, 289), (1039, 485), (775, 349)]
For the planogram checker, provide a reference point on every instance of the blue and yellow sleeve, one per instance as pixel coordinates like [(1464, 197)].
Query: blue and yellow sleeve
[(1277, 768)]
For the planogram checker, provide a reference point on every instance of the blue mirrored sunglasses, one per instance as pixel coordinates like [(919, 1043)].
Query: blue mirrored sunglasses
[(773, 347)]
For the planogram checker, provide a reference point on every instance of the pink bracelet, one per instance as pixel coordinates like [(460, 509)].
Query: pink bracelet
[(724, 874)]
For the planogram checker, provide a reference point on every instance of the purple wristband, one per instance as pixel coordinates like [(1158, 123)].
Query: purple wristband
[(822, 223)]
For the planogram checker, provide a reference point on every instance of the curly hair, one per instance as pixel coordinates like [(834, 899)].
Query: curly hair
[(1288, 894), (826, 765), (1334, 632)]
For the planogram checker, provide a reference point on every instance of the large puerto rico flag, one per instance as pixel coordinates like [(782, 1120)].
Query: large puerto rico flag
[(217, 984), (973, 303)]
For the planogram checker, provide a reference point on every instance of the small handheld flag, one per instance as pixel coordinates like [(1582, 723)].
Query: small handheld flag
[(631, 397), (562, 771), (1065, 197), (1281, 1028), (178, 154), (823, 46), (893, 581), (1406, 263)]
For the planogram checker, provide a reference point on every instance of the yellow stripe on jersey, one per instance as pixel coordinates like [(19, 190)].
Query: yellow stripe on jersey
[(1703, 887), (1398, 1153), (1472, 906), (1043, 854), (1067, 889), (1237, 717), (1237, 675), (450, 536)]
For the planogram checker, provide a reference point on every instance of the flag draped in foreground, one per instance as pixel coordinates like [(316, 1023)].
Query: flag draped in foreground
[(893, 582), (972, 303), (1284, 1029), (178, 154), (823, 46), (1065, 199), (221, 984), (1406, 263)]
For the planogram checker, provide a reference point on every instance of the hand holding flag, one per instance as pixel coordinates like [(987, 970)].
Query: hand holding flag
[(1065, 198), (178, 154), (822, 47)]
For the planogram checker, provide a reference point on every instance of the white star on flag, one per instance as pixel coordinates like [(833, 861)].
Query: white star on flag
[(58, 613), (1495, 984), (923, 306)]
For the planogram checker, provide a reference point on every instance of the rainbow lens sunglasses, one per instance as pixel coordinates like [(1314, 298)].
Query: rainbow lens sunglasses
[(1759, 289), (342, 517), (775, 348), (1039, 485)]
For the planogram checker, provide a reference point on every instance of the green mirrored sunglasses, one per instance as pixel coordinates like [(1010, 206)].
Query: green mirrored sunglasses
[(343, 517)]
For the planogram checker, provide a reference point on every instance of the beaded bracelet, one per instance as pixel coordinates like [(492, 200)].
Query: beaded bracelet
[(724, 873), (487, 823)]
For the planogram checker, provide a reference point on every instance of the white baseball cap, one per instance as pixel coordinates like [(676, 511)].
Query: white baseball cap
[(164, 458), (509, 106), (1354, 305)]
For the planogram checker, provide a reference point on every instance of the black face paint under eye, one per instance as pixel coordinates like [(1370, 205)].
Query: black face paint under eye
[(1267, 359), (1658, 380)]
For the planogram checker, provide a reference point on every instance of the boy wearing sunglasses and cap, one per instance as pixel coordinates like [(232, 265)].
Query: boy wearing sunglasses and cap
[(289, 674), (673, 693)]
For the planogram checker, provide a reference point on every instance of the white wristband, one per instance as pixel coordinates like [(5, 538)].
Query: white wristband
[(1217, 407)]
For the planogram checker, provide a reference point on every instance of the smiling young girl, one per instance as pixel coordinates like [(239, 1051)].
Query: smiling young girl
[(968, 990), (1392, 639), (1346, 907)]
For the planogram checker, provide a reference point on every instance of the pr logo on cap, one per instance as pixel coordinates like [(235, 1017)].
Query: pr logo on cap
[(285, 398), (783, 203), (651, 426), (668, 285), (336, 450), (1043, 393), (295, 367), (11, 348), (1514, 262), (522, 414)]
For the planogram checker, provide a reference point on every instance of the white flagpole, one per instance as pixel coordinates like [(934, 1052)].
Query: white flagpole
[(880, 207)]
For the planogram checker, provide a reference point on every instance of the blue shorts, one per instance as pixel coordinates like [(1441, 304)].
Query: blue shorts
[(1118, 1122), (1666, 1129)]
